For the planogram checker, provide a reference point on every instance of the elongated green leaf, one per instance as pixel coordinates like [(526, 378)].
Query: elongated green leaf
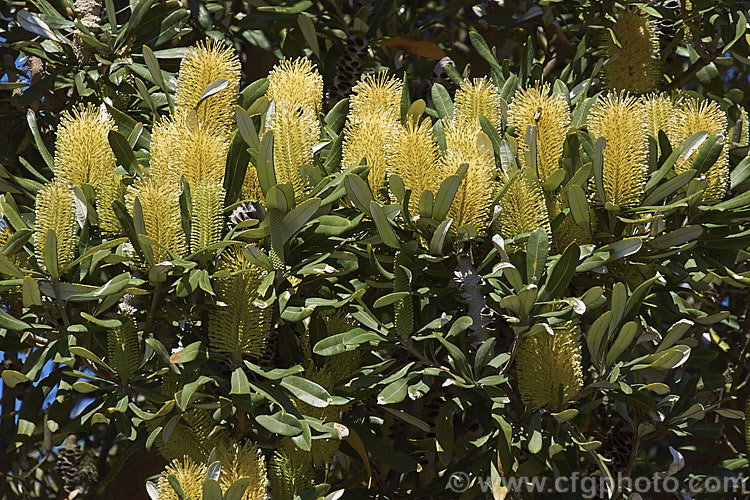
[(307, 391), (266, 173), (386, 231), (444, 197), (280, 423), (298, 217), (561, 273), (708, 154), (212, 88), (122, 150), (246, 128), (537, 250), (598, 166), (669, 187), (153, 67), (358, 191), (442, 100), (684, 150)]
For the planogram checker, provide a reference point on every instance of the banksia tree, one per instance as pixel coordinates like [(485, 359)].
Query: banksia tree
[(413, 154), (243, 460), (475, 98), (633, 53), (203, 64), (237, 326), (207, 214), (702, 115), (296, 90), (471, 205), (621, 120), (159, 204), (190, 476), (550, 115), (55, 213), (549, 367)]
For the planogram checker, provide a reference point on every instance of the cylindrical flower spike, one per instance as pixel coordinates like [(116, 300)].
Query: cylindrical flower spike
[(243, 460), (693, 116), (636, 46), (412, 153), (203, 64), (522, 206), (160, 204), (621, 120), (207, 214), (296, 130), (111, 189), (296, 82), (122, 346), (239, 327), (471, 205), (366, 138), (549, 367), (479, 97), (550, 114), (289, 476), (189, 474), (82, 151), (379, 94), (55, 211), (180, 145)]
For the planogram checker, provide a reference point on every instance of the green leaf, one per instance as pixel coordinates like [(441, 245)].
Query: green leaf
[(624, 340), (597, 335), (678, 237), (561, 274), (280, 423), (446, 193), (50, 254), (211, 490), (211, 89), (708, 154), (298, 217), (153, 66), (389, 299), (237, 489), (442, 101), (123, 151), (537, 250), (185, 395), (395, 392), (483, 50), (685, 150), (266, 173), (386, 231), (12, 378), (358, 191), (247, 128), (38, 141), (598, 166), (175, 484), (307, 391), (740, 173), (186, 354), (30, 292), (437, 242), (665, 189)]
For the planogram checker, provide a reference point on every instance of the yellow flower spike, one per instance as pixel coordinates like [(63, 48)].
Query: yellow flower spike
[(239, 327), (111, 189), (82, 151), (296, 82), (366, 137), (621, 120), (693, 116), (413, 154), (376, 95), (522, 207), (203, 64), (207, 214), (296, 130), (122, 346), (471, 205), (55, 211), (550, 115), (636, 67), (189, 474), (160, 204), (479, 97), (243, 460), (549, 367), (659, 110), (180, 145), (251, 186), (289, 476)]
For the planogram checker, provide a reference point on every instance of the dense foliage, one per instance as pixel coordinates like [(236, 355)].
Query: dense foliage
[(419, 282)]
